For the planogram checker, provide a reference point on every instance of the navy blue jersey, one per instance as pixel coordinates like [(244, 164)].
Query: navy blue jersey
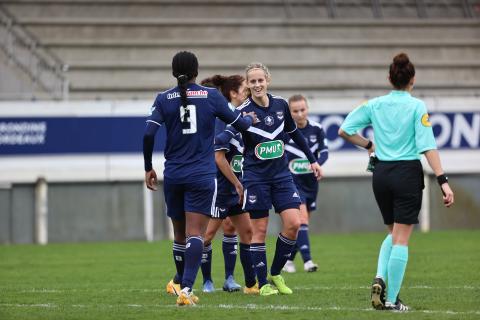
[(297, 161), (226, 191), (264, 157), (189, 151)]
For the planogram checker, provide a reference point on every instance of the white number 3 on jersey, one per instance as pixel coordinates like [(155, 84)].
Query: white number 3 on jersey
[(188, 116)]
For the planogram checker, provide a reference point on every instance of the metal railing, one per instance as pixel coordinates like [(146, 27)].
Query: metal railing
[(45, 70)]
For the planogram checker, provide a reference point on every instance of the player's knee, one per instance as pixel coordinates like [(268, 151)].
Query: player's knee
[(259, 233), (291, 229)]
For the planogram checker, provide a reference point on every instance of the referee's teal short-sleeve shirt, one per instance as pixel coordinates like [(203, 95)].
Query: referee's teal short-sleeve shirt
[(401, 127)]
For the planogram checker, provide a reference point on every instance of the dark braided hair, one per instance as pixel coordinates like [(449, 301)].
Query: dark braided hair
[(184, 68), (224, 83), (401, 71)]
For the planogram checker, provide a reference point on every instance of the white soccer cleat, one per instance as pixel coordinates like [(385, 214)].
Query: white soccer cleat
[(398, 307), (289, 267), (309, 266)]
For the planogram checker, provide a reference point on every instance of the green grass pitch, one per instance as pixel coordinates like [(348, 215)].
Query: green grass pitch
[(127, 281)]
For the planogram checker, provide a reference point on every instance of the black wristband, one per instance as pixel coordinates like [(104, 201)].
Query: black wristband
[(369, 144), (441, 179)]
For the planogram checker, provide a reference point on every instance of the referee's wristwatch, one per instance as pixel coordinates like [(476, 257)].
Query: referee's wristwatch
[(369, 144), (441, 179)]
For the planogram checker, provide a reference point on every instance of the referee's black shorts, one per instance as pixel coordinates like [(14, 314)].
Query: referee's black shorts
[(398, 186)]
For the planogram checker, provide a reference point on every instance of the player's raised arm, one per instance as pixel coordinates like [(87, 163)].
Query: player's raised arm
[(232, 118)]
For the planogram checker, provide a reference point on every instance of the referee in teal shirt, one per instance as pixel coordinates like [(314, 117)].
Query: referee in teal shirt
[(402, 133)]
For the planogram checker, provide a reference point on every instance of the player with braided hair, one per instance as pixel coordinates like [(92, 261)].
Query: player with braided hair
[(188, 111)]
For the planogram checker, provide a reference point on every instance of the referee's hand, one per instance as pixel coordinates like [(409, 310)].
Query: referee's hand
[(317, 170), (448, 198), (151, 180)]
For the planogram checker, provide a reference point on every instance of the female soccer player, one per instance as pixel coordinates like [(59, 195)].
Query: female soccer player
[(303, 177), (266, 177), (402, 133), (228, 157), (188, 112)]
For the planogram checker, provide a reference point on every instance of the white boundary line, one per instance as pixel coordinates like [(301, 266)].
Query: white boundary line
[(249, 306)]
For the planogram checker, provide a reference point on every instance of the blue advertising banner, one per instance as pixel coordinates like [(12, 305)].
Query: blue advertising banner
[(79, 135), (452, 130), (74, 135)]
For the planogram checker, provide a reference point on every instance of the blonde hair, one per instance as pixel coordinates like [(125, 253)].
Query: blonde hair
[(258, 65)]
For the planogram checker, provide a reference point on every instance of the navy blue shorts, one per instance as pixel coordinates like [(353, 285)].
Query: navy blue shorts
[(198, 196), (259, 197), (308, 198), (222, 212)]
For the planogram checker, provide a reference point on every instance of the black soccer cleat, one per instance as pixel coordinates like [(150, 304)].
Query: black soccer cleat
[(378, 294)]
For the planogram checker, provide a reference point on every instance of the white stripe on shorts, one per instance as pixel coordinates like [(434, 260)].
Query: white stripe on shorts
[(244, 199), (214, 199)]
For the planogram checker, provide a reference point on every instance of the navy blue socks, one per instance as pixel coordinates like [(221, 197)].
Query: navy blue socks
[(193, 257), (229, 248), (179, 259), (283, 251)]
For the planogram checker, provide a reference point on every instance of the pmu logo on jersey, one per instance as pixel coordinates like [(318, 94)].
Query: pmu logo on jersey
[(269, 150), (280, 115), (236, 163), (299, 166), (426, 120), (252, 198), (269, 120)]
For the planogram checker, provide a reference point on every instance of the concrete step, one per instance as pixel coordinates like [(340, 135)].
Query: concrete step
[(248, 29), (166, 9), (360, 94), (72, 51), (233, 9), (300, 76)]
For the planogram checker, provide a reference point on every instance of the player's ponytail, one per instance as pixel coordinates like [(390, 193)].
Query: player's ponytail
[(184, 68), (401, 71)]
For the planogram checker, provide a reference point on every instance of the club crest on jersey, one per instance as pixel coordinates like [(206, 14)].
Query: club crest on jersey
[(313, 138), (252, 198), (280, 115), (268, 120)]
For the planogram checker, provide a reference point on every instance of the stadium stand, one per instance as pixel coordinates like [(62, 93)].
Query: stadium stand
[(122, 49)]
